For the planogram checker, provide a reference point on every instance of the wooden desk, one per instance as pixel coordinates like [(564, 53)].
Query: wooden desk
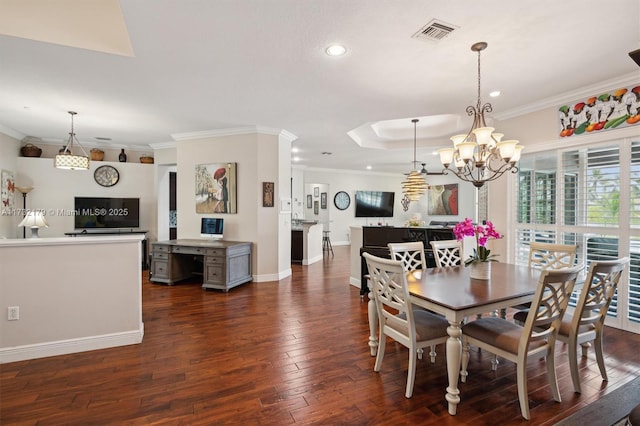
[(452, 293), (222, 264)]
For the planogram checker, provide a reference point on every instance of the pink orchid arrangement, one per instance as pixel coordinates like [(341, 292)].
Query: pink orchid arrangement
[(483, 233)]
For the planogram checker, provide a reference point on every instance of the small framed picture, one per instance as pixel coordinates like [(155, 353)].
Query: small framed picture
[(316, 192), (323, 200), (315, 207), (309, 201), (267, 194)]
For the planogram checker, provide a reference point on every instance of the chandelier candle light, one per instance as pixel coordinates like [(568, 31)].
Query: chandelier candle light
[(414, 186), (67, 159), (480, 156), (480, 260)]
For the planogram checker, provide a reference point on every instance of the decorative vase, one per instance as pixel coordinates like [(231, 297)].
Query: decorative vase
[(122, 157), (480, 270)]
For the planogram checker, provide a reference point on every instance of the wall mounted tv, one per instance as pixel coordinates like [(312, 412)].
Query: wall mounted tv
[(106, 213), (374, 204)]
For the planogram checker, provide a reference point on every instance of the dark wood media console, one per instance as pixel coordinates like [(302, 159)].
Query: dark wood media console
[(376, 238)]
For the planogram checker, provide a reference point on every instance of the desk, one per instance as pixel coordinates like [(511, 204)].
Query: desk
[(452, 293), (222, 264)]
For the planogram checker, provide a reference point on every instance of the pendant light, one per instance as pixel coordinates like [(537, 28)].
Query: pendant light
[(414, 186), (67, 159)]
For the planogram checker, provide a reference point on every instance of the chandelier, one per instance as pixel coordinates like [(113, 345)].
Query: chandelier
[(414, 186), (480, 156), (67, 159)]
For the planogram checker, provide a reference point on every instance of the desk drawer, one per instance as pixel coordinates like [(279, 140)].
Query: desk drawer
[(214, 273), (160, 248), (215, 252), (214, 260), (188, 250), (160, 255)]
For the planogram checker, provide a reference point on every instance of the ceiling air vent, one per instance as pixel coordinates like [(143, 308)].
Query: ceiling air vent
[(435, 31)]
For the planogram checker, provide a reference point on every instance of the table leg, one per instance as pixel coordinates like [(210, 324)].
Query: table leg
[(454, 351), (373, 326)]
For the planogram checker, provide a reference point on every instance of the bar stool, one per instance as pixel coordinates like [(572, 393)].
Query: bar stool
[(326, 243)]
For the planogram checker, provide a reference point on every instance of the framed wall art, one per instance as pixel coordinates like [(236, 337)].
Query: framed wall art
[(216, 188), (8, 189), (323, 200), (309, 201), (443, 200), (316, 210), (316, 192), (267, 194)]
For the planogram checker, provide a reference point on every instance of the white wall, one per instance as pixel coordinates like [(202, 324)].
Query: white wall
[(55, 189), (258, 160), (9, 149), (351, 182)]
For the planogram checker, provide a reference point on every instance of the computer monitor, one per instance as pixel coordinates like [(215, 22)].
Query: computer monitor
[(211, 227)]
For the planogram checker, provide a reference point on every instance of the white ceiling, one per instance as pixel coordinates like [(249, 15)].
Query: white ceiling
[(210, 65)]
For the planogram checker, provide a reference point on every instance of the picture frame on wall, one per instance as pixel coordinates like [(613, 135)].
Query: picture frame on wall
[(443, 200), (323, 200), (309, 201), (215, 189), (267, 194), (316, 210), (316, 192), (8, 189)]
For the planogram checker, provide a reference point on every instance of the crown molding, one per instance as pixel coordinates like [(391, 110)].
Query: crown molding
[(232, 131), (622, 81), (12, 133)]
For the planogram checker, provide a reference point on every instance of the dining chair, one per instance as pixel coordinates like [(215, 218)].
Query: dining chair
[(410, 254), (398, 319), (586, 323), (546, 256), (536, 338), (447, 252)]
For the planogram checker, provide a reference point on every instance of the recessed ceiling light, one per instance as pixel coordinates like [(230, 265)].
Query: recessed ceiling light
[(336, 50), (369, 167), (494, 94), (296, 159), (294, 149)]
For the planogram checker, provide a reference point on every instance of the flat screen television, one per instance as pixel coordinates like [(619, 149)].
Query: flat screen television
[(106, 213), (211, 227), (374, 203)]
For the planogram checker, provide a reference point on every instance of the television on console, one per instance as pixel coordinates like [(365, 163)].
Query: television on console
[(211, 227), (374, 203), (106, 213)]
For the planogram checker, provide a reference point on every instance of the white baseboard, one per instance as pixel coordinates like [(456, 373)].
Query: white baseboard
[(63, 347)]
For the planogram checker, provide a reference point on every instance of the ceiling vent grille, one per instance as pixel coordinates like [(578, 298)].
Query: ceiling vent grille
[(435, 31)]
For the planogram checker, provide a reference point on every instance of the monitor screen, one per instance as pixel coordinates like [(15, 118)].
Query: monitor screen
[(211, 227)]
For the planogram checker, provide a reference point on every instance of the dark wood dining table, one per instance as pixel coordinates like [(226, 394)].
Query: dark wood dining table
[(454, 294)]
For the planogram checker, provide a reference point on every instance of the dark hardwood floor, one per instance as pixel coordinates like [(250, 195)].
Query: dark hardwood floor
[(279, 353)]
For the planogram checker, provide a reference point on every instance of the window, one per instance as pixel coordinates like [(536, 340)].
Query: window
[(588, 196)]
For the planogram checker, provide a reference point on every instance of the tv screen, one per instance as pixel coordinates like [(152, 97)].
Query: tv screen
[(211, 227), (374, 204), (103, 212)]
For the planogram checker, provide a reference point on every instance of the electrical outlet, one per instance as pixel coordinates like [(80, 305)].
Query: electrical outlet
[(13, 313)]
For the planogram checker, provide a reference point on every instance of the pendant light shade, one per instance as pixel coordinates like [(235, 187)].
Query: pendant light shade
[(67, 159), (414, 186)]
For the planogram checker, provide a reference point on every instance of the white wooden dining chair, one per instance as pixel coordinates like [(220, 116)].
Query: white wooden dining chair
[(537, 338), (586, 323), (546, 256), (412, 257), (410, 254), (412, 328), (447, 252)]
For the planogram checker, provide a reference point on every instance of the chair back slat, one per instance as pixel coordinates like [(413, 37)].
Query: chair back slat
[(551, 256), (410, 254), (447, 252)]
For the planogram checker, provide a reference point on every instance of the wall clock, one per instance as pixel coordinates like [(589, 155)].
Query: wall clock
[(341, 200), (106, 176)]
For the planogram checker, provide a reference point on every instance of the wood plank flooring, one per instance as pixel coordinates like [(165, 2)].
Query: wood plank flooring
[(282, 353)]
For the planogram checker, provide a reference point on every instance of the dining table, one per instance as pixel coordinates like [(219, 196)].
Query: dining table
[(451, 292)]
